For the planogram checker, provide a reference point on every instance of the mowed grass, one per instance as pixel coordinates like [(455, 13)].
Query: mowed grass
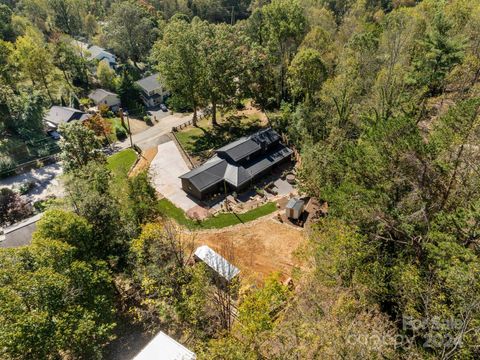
[(218, 222), (200, 140), (120, 163)]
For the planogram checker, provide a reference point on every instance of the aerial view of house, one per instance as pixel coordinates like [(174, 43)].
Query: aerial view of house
[(105, 97), (62, 114), (94, 52), (239, 180), (151, 90), (237, 165)]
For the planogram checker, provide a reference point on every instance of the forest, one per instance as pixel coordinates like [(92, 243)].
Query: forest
[(381, 100)]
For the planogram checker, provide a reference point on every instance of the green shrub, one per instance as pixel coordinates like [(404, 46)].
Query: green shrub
[(7, 166), (121, 133)]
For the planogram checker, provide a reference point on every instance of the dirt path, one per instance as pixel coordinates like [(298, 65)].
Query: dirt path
[(259, 248), (145, 159)]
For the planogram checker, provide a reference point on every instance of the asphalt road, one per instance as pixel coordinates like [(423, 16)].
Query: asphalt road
[(46, 179)]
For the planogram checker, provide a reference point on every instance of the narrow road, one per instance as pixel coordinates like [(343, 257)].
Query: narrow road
[(152, 136), (46, 178)]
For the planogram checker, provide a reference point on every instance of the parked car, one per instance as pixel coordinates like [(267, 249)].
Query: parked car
[(163, 108), (54, 135)]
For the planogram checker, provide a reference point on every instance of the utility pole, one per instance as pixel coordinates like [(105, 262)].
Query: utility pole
[(121, 113), (129, 131)]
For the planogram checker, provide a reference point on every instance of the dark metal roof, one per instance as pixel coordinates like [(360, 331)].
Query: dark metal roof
[(247, 145), (208, 174), (216, 169)]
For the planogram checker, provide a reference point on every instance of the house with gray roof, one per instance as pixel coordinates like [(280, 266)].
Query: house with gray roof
[(104, 97), (94, 52), (62, 114), (152, 92), (237, 165)]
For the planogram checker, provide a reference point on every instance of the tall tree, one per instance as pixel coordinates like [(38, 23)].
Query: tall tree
[(79, 146), (67, 15), (282, 30), (35, 61), (53, 304), (179, 61), (223, 66), (131, 31)]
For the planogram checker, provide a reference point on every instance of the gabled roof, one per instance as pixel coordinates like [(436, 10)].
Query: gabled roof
[(62, 114), (247, 145), (164, 347), (217, 262), (216, 169), (99, 53), (150, 83), (99, 95), (208, 174)]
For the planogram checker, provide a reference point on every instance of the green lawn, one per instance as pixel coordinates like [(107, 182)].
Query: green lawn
[(120, 163), (220, 221), (198, 141)]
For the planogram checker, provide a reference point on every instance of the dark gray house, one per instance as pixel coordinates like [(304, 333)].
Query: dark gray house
[(61, 114), (236, 165)]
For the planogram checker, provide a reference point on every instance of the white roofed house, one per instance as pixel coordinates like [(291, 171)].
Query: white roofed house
[(163, 347), (104, 97), (151, 90)]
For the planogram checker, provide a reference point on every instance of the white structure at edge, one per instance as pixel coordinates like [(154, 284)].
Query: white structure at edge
[(163, 347)]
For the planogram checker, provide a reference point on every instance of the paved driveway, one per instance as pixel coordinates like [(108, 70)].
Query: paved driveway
[(165, 169)]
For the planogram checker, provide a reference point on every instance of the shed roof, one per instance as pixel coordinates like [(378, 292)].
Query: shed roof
[(150, 83), (218, 263), (62, 114), (295, 204), (164, 347)]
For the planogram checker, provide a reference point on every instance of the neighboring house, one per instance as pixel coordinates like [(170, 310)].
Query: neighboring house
[(216, 262), (236, 165), (95, 52), (100, 54), (61, 114), (104, 97), (151, 91), (19, 234), (164, 347)]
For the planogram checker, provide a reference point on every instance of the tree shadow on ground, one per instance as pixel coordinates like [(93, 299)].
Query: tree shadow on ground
[(215, 137)]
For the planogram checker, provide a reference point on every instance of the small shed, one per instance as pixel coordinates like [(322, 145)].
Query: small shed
[(294, 208), (164, 347), (216, 262)]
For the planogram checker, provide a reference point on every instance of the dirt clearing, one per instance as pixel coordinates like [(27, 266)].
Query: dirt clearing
[(144, 161), (259, 248)]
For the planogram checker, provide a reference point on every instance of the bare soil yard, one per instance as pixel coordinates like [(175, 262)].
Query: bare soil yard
[(260, 247)]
